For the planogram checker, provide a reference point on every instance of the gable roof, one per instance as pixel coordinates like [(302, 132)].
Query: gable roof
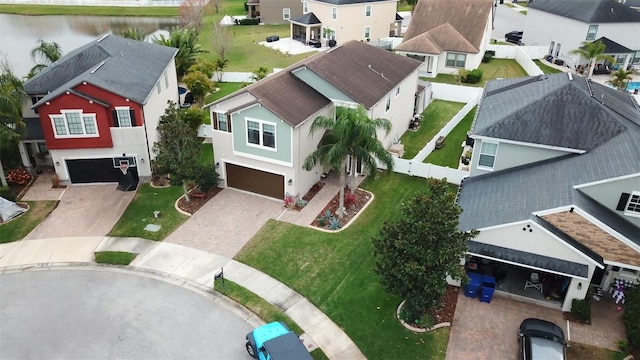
[(363, 72), (466, 19), (307, 19), (441, 38), (612, 47), (126, 67), (514, 194), (589, 11)]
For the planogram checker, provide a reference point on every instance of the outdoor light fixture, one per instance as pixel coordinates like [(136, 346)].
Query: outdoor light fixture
[(579, 286), (217, 165), (141, 160), (290, 182), (57, 163)]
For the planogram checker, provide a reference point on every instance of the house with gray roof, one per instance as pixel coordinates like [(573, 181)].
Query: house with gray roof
[(98, 107), (261, 133), (563, 25), (274, 11), (554, 185), (447, 35)]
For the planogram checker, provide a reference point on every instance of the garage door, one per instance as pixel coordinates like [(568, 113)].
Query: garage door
[(93, 170), (255, 181)]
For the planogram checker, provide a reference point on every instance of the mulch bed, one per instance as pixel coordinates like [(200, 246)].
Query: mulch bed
[(160, 181), (196, 203), (361, 199), (315, 189), (449, 302), (567, 315)]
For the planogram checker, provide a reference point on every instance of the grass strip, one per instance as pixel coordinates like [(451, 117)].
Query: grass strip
[(449, 154), (546, 68), (18, 228), (159, 11), (115, 257)]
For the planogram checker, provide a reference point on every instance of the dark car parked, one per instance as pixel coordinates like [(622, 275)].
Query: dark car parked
[(513, 37), (541, 339)]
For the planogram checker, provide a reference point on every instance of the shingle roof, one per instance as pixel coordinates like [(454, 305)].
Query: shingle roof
[(129, 68), (514, 194), (589, 11), (466, 20), (307, 19), (612, 47)]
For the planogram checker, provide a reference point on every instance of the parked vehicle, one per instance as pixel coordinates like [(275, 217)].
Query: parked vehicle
[(514, 36), (541, 339), (275, 341)]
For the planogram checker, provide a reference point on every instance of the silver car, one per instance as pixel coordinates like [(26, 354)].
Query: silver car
[(540, 339)]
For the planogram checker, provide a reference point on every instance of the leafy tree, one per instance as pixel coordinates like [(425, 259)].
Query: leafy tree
[(620, 78), (178, 151), (260, 73), (411, 3), (186, 41), (415, 253), (592, 51), (631, 317), (220, 64), (45, 54), (192, 14), (133, 33), (198, 80), (194, 117), (11, 122), (350, 133)]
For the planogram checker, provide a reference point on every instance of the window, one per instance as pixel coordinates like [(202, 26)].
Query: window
[(123, 117), (487, 154), (305, 7), (222, 122), (73, 123), (633, 206), (166, 80), (636, 58), (42, 148), (557, 50), (34, 100), (551, 46), (388, 104), (367, 32), (417, 57), (261, 134), (456, 60), (591, 33), (620, 59), (367, 11), (334, 13), (286, 14)]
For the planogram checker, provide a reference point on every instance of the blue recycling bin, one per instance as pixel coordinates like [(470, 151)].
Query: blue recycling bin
[(488, 288), (471, 290)]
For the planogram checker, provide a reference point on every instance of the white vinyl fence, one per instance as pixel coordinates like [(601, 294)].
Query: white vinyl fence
[(126, 3), (521, 54)]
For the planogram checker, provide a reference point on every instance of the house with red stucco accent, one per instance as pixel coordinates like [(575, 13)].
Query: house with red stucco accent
[(99, 106)]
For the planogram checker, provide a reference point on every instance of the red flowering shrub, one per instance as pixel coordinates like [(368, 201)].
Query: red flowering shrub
[(18, 176), (349, 200)]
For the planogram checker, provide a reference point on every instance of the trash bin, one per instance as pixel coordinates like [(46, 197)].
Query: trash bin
[(471, 290), (488, 287)]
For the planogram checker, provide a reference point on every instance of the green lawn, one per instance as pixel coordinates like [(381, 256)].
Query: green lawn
[(18, 228), (434, 117), (496, 68), (449, 154), (224, 89), (114, 257), (546, 68), (207, 154), (89, 10), (335, 272), (139, 213)]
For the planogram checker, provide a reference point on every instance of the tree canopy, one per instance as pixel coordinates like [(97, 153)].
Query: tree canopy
[(186, 41), (620, 78), (45, 54), (11, 122), (415, 253)]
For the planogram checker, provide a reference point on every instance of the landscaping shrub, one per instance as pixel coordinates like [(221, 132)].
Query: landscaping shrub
[(631, 317), (6, 193), (488, 55), (473, 76), (206, 177), (581, 309), (18, 176), (249, 21)]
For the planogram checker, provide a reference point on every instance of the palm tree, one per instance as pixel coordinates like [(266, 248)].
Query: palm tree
[(133, 33), (260, 73), (620, 79), (186, 41), (350, 133), (593, 51), (11, 123), (220, 64), (45, 54)]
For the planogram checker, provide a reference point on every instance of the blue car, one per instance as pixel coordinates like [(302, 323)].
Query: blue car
[(274, 341)]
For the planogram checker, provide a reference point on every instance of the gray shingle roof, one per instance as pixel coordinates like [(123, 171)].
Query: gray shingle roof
[(589, 11), (307, 19), (612, 47), (514, 194), (131, 68)]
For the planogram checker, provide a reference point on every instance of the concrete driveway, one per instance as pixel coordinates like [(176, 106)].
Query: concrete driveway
[(226, 222), (84, 210)]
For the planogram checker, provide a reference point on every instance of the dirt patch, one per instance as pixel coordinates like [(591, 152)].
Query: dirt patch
[(197, 200), (448, 310), (588, 352), (567, 315), (353, 203), (160, 181)]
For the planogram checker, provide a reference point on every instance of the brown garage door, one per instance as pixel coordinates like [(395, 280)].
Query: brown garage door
[(256, 181)]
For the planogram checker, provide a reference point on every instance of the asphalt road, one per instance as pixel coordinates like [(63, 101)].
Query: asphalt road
[(88, 314), (506, 20)]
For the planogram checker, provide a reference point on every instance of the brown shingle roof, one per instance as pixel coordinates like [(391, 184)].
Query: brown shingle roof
[(467, 17), (441, 38), (596, 239)]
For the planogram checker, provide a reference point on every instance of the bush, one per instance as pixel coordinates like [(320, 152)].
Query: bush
[(473, 76), (206, 177), (249, 22), (6, 193), (18, 176), (488, 55), (631, 317), (581, 309)]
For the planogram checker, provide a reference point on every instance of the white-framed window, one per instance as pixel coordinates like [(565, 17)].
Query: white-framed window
[(74, 123), (166, 80), (558, 49), (305, 7), (633, 205), (286, 14), (456, 60), (388, 103), (367, 11), (334, 13), (260, 133), (367, 32), (221, 122), (636, 58), (488, 152), (620, 59), (591, 33), (124, 116)]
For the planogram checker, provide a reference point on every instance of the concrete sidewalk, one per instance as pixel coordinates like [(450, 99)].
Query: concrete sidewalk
[(193, 266)]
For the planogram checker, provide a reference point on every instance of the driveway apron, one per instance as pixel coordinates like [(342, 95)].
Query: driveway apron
[(84, 210), (226, 222)]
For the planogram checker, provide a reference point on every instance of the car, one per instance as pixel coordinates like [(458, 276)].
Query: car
[(514, 36), (274, 341), (541, 340)]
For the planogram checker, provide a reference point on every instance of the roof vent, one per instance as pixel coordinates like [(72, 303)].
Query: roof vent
[(97, 67), (103, 37), (570, 76)]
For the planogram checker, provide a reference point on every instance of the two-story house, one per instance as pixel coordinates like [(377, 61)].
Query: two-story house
[(330, 22), (261, 133), (563, 25), (99, 106), (447, 35), (554, 187), (274, 11)]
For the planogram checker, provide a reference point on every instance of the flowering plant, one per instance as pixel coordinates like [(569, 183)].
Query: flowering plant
[(18, 176), (289, 201)]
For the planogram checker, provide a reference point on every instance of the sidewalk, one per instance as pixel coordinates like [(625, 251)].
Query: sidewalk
[(191, 265)]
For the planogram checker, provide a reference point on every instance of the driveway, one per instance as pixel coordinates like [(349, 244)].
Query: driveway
[(226, 222), (84, 210), (89, 314)]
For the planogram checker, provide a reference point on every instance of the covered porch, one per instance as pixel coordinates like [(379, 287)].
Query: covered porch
[(307, 29)]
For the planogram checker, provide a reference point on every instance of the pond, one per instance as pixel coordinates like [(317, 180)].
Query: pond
[(19, 34)]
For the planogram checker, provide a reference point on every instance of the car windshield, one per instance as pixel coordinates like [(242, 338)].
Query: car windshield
[(546, 349)]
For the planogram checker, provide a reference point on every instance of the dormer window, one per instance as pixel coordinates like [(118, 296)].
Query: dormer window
[(630, 203)]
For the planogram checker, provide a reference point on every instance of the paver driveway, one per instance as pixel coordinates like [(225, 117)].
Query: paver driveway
[(84, 210)]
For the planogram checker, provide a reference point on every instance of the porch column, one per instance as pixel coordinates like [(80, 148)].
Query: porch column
[(24, 156), (627, 59)]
